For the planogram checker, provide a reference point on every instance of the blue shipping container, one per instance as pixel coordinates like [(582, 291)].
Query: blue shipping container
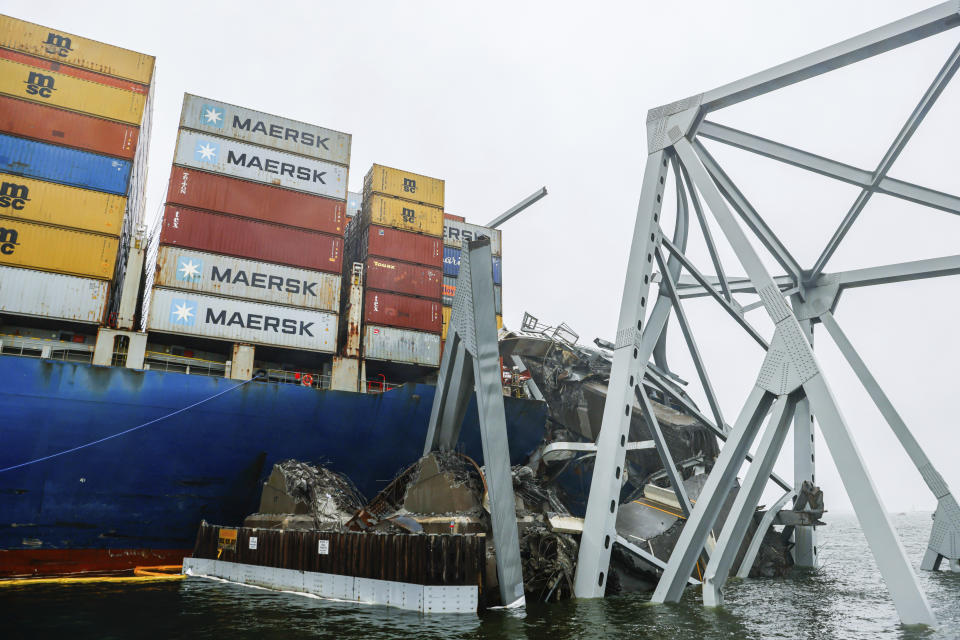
[(451, 264), (62, 165)]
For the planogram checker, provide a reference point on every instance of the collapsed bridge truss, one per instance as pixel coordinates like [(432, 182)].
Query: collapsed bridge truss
[(791, 386)]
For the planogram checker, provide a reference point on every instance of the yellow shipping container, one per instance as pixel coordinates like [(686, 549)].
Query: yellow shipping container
[(400, 214), (445, 317), (49, 203), (36, 246), (59, 90), (403, 184), (67, 48)]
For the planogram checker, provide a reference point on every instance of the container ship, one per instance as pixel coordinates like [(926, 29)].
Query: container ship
[(154, 374)]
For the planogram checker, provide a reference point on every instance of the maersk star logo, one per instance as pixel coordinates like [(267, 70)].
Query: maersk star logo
[(206, 151), (212, 116), (189, 269), (183, 312)]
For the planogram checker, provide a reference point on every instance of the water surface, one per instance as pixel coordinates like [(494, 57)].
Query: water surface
[(844, 598)]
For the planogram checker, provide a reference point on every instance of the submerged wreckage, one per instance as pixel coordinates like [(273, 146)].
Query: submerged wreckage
[(633, 486), (447, 492)]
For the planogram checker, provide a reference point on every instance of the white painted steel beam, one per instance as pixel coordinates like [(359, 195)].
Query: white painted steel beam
[(827, 167), (676, 479), (945, 537), (893, 152), (627, 370), (517, 208), (671, 290), (793, 364), (745, 504), (901, 272), (699, 525), (472, 358), (749, 215), (876, 41), (891, 559)]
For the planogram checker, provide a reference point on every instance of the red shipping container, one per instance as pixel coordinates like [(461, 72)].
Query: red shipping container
[(405, 312), (400, 277), (246, 238), (201, 190), (394, 244), (49, 124), (74, 72), (450, 216)]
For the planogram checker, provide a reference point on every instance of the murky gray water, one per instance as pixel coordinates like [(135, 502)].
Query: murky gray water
[(845, 598)]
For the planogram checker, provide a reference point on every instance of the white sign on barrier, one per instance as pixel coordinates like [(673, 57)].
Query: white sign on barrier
[(323, 547), (253, 542)]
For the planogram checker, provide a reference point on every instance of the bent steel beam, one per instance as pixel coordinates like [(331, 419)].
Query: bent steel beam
[(472, 355)]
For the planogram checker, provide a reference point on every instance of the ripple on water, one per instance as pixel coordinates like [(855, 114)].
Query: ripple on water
[(844, 598)]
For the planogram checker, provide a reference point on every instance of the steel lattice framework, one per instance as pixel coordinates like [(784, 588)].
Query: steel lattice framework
[(790, 386)]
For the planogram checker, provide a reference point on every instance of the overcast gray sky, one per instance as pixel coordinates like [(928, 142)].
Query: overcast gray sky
[(500, 98)]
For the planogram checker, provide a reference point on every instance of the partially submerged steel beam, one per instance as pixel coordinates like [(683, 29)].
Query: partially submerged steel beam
[(790, 371), (472, 355)]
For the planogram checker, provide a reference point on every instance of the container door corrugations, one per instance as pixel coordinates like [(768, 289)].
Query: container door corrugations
[(245, 238), (401, 277), (401, 345), (264, 129), (62, 165), (269, 166), (49, 124), (52, 295), (405, 312), (73, 50), (456, 232), (37, 246), (403, 184), (201, 190), (188, 313), (400, 214), (400, 245), (202, 272), (49, 203), (60, 90), (74, 72)]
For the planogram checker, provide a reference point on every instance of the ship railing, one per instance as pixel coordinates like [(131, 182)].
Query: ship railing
[(380, 385), (28, 347), (157, 361), (301, 378)]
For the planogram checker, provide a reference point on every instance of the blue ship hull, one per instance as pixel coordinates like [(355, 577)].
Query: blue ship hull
[(142, 495)]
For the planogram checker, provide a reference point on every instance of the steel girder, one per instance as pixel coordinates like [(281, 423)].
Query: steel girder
[(790, 379)]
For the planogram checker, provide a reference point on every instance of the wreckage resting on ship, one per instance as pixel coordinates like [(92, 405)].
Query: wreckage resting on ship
[(445, 492)]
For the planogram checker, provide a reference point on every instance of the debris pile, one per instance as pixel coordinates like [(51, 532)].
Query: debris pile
[(300, 495)]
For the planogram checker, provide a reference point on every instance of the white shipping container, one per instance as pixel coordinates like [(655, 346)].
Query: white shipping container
[(52, 295), (401, 345), (456, 232), (256, 127), (260, 164), (241, 321), (204, 272)]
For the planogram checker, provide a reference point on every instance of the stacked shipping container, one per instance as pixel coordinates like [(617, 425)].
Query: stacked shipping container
[(397, 237), (74, 132), (457, 231), (251, 244)]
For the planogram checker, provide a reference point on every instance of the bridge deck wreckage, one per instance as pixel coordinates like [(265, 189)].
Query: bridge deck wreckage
[(653, 476)]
